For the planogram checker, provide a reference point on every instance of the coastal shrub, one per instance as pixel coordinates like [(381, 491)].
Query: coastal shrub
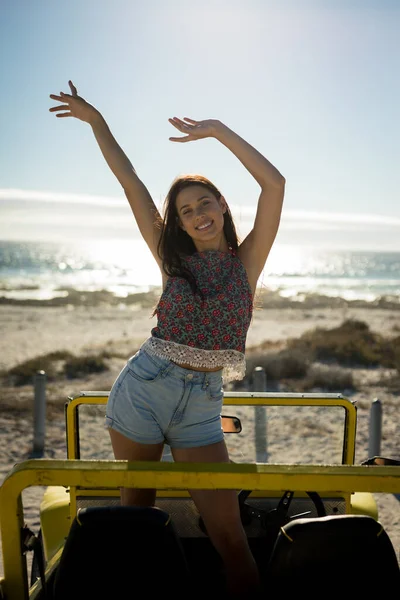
[(392, 354), (286, 364), (314, 360), (329, 378), (23, 373), (351, 344), (78, 366)]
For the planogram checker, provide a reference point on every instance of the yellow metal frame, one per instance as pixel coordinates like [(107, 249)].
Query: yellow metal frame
[(167, 476), (231, 399), (106, 477)]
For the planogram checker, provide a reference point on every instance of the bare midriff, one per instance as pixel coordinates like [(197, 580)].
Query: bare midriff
[(186, 366)]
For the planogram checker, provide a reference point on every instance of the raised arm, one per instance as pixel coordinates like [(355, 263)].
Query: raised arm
[(141, 203), (255, 247)]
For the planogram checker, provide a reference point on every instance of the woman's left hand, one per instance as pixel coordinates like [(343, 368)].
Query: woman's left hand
[(194, 130)]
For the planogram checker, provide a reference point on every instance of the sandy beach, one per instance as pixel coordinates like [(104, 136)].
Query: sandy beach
[(28, 331)]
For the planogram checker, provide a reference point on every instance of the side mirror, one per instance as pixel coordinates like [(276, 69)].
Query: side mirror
[(381, 460), (231, 424)]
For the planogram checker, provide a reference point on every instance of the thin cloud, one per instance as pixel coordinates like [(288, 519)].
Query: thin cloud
[(291, 219), (294, 217), (39, 196), (356, 218)]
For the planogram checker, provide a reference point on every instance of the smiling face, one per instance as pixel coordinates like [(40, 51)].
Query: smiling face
[(201, 215)]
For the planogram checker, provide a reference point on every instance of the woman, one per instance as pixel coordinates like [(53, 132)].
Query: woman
[(171, 390)]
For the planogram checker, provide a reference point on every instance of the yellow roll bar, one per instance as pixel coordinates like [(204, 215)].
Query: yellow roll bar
[(164, 476)]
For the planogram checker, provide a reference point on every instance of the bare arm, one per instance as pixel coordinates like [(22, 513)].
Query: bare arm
[(141, 203), (266, 175), (255, 248)]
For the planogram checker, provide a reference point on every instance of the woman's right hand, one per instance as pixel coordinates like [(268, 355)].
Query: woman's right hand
[(74, 106)]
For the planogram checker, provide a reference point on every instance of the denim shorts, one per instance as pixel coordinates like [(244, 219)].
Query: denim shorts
[(154, 400)]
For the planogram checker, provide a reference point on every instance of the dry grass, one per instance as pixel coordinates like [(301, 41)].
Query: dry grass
[(352, 344), (322, 359), (57, 365)]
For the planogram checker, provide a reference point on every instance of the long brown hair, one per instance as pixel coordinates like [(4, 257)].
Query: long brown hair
[(174, 242)]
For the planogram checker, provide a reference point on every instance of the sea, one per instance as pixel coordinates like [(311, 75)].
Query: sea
[(45, 270)]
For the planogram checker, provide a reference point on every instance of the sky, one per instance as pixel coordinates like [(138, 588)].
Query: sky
[(312, 84)]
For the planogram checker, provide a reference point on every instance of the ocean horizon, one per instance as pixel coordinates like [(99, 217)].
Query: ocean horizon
[(45, 270)]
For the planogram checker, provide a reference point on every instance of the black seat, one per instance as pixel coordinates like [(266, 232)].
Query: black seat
[(120, 552), (346, 554)]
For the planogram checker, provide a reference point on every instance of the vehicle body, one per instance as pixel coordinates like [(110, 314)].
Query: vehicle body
[(298, 442)]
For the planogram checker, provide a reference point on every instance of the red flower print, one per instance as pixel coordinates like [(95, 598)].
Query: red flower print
[(216, 347), (189, 307), (226, 337), (201, 337), (178, 298), (191, 343), (179, 314), (232, 320), (231, 306), (206, 321), (216, 312), (175, 330), (215, 332), (221, 296), (189, 327)]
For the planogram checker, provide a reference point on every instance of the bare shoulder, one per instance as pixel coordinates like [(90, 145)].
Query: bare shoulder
[(165, 279), (159, 262), (251, 263)]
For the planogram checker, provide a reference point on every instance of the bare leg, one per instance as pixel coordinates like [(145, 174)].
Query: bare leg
[(220, 512), (126, 449)]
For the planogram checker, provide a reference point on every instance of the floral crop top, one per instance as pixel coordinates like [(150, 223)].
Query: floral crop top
[(208, 329)]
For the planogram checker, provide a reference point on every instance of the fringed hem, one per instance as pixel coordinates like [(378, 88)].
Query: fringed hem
[(233, 363)]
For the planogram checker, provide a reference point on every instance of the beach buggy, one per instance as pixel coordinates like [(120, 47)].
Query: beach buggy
[(308, 510)]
